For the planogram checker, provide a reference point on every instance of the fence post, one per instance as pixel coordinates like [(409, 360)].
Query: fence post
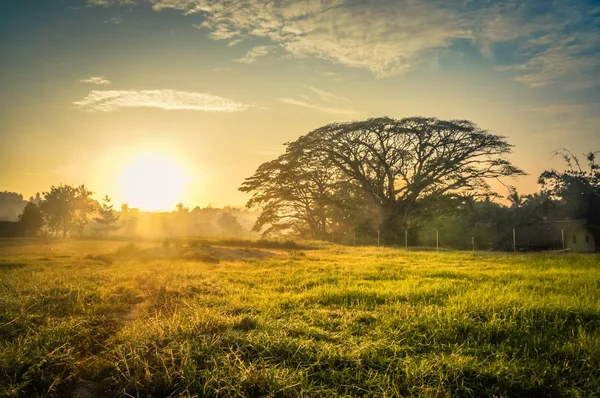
[(437, 241), (514, 241), (354, 238), (377, 237), (473, 242), (562, 233), (406, 239), (332, 236)]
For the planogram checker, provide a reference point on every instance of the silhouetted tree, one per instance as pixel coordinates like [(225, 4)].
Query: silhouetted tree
[(396, 164), (577, 188), (229, 224), (514, 198), (66, 208), (297, 192), (180, 208), (108, 217), (31, 219), (11, 205), (130, 217)]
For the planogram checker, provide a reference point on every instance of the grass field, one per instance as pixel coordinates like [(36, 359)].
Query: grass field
[(102, 319)]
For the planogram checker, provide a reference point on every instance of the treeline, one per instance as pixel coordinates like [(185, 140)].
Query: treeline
[(67, 210), (386, 179)]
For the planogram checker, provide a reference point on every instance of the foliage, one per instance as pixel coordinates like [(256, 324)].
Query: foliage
[(6, 196), (397, 165), (32, 218), (297, 193), (108, 216), (337, 322), (11, 205), (577, 188), (229, 224), (66, 208), (180, 208)]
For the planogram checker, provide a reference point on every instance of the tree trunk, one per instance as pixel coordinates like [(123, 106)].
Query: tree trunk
[(392, 226)]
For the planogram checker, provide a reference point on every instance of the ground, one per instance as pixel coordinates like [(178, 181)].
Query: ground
[(103, 319)]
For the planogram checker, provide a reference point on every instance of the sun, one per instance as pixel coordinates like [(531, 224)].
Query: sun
[(152, 182)]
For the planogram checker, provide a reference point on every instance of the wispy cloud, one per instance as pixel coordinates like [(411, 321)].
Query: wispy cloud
[(563, 58), (108, 3), (540, 42), (96, 80), (114, 21), (305, 104), (558, 108), (327, 96), (567, 119), (254, 54), (41, 173), (271, 151), (553, 41), (383, 37), (111, 100)]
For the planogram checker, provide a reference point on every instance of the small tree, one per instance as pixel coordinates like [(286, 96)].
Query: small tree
[(229, 224), (108, 217), (31, 219), (181, 209), (66, 208)]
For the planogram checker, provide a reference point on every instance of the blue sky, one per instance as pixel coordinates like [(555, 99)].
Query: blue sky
[(223, 84)]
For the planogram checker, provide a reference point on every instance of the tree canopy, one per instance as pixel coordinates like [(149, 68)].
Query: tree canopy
[(388, 165), (108, 217), (66, 208), (577, 187), (31, 218)]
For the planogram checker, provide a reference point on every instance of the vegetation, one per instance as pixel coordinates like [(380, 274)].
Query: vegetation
[(577, 188), (393, 168), (108, 217), (66, 208), (111, 319), (31, 218), (378, 181)]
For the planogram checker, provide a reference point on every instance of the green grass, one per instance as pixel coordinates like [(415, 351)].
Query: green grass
[(108, 319)]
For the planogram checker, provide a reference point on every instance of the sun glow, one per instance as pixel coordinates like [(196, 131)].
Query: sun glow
[(153, 182)]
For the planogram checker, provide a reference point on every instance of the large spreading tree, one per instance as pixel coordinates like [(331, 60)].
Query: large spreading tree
[(297, 192), (398, 166)]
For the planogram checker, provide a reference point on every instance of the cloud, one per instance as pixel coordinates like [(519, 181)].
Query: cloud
[(327, 96), (44, 172), (538, 42), (562, 59), (108, 3), (96, 80), (568, 119), (304, 104), (558, 108), (114, 21), (553, 42), (384, 37), (112, 100), (255, 53)]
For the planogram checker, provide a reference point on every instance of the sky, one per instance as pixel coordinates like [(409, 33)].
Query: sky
[(92, 91)]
